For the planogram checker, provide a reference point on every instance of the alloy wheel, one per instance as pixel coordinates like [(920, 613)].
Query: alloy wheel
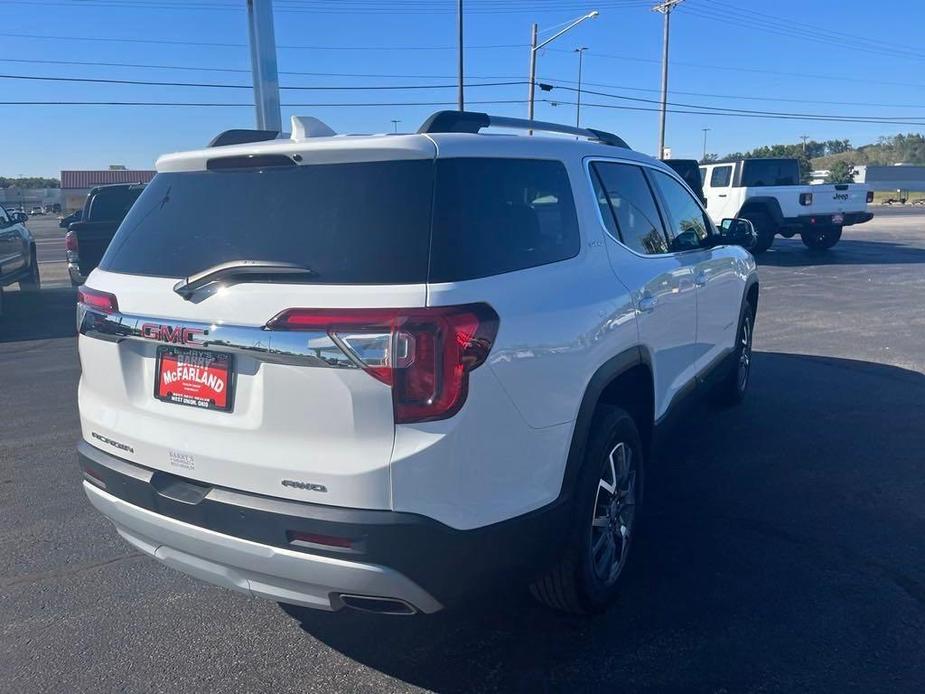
[(614, 514), (745, 353)]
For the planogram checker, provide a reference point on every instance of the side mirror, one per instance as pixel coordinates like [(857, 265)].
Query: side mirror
[(19, 217), (738, 232)]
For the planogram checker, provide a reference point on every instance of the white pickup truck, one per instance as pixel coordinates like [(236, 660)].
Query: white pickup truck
[(768, 192)]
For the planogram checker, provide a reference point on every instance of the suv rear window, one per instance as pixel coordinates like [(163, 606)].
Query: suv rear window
[(395, 222), (770, 172), (357, 223)]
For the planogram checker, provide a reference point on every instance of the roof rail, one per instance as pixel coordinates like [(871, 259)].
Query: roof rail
[(239, 136), (473, 122)]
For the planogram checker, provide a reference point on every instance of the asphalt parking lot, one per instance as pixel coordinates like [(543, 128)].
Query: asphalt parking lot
[(783, 549)]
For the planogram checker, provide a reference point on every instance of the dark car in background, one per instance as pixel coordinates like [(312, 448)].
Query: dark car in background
[(689, 170), (88, 237)]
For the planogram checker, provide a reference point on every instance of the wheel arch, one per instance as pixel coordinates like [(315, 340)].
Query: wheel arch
[(764, 205), (625, 380)]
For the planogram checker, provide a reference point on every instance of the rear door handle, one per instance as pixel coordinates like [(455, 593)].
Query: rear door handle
[(701, 279), (722, 195), (647, 304)]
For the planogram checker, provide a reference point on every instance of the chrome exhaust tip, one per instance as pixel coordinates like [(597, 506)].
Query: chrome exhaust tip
[(377, 605)]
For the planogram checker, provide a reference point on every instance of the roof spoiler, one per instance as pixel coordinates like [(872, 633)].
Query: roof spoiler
[(240, 136), (472, 122)]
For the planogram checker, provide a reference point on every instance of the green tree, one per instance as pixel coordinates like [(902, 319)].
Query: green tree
[(29, 182), (841, 172)]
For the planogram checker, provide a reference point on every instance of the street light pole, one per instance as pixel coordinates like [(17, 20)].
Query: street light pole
[(665, 7), (263, 64), (705, 131), (534, 47), (460, 100), (532, 84), (580, 52), (395, 123)]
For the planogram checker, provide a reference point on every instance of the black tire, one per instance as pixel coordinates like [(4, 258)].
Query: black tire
[(821, 238), (732, 389), (764, 231), (32, 282), (576, 584)]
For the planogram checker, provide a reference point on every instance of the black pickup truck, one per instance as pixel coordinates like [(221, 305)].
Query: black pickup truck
[(87, 239)]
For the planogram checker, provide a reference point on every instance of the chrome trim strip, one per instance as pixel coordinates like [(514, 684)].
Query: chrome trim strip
[(302, 348)]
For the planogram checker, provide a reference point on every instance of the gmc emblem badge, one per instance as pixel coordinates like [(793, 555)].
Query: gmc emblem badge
[(174, 334)]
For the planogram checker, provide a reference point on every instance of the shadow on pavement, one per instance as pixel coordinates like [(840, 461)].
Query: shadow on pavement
[(781, 551), (792, 253), (41, 315)]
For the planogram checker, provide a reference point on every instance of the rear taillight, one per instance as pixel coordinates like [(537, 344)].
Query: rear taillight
[(806, 199), (103, 302), (70, 242), (424, 354), (870, 196)]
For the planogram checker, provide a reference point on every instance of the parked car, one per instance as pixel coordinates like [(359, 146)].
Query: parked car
[(18, 258), (87, 238), (381, 372), (689, 170), (71, 218), (768, 193), (37, 210)]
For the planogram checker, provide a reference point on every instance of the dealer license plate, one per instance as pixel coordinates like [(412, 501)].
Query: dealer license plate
[(194, 377)]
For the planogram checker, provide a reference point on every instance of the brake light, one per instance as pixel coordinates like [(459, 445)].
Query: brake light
[(806, 199), (424, 354), (97, 300), (70, 242), (870, 196)]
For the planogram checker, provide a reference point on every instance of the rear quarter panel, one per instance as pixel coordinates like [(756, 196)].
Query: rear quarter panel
[(558, 324)]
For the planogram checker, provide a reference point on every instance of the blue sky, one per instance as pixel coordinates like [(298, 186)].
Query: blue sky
[(720, 49)]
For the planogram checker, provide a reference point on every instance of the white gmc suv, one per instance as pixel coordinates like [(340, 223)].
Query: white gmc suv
[(385, 371)]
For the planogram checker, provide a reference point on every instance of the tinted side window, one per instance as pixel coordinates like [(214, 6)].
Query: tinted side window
[(721, 177), (633, 207), (498, 215), (688, 226), (770, 172)]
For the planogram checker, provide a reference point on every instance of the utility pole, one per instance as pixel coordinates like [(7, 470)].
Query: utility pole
[(804, 138), (580, 52), (534, 47), (395, 123), (665, 7), (705, 131), (532, 85), (460, 101), (263, 64)]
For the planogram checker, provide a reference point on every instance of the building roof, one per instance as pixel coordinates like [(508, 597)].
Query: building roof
[(88, 179)]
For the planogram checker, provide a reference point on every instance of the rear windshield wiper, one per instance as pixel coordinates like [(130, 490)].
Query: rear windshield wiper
[(237, 271)]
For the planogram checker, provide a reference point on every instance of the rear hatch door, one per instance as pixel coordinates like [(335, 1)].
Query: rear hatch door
[(198, 386)]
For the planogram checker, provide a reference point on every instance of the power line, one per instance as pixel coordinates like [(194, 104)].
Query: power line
[(337, 9), (752, 70), (761, 20), (217, 44), (190, 68), (710, 110), (214, 104), (214, 85), (651, 109)]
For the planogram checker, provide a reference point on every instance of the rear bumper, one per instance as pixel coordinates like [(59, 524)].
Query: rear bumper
[(804, 221), (255, 544)]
